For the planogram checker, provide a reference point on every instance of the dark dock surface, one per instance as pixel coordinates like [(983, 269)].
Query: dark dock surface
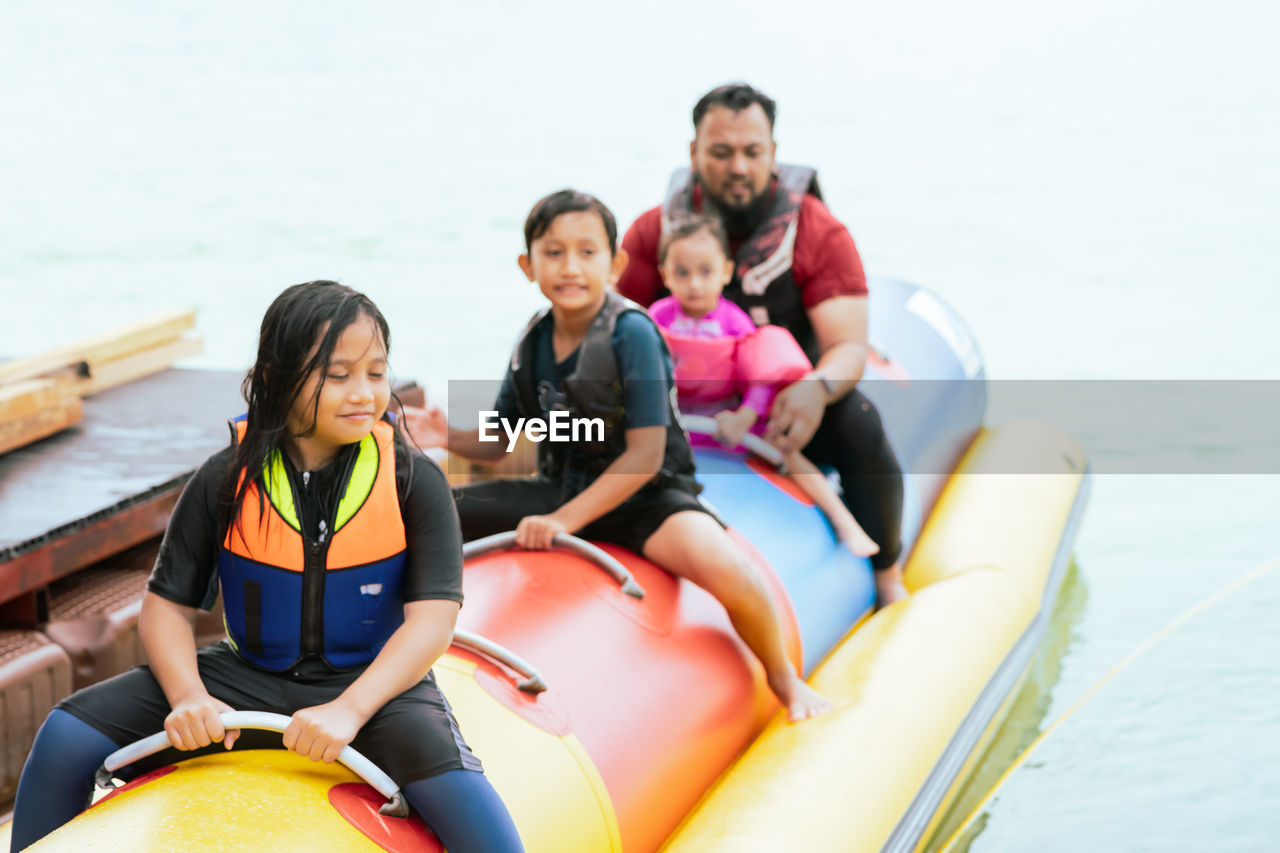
[(109, 482)]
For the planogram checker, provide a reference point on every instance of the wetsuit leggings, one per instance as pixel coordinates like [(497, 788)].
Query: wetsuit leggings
[(851, 439), (460, 806)]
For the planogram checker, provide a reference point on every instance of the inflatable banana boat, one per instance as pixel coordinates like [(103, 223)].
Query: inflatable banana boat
[(614, 707)]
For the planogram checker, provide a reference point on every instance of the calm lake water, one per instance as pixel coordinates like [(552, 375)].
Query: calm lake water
[(1093, 186)]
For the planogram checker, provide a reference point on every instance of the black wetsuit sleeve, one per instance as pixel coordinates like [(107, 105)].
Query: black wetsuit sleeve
[(507, 404), (432, 535), (645, 371), (186, 567)]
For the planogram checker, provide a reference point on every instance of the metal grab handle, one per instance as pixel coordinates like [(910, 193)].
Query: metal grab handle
[(533, 680), (616, 570), (703, 425), (396, 805)]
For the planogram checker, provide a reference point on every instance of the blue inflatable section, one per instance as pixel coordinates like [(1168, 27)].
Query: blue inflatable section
[(830, 589), (929, 386), (933, 414)]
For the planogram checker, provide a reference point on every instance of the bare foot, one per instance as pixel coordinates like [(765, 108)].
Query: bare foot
[(801, 700), (889, 586), (860, 544)]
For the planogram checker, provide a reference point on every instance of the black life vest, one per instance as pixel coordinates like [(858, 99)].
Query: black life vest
[(594, 390), (763, 284)]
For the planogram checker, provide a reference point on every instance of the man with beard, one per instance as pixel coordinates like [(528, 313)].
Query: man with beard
[(797, 267)]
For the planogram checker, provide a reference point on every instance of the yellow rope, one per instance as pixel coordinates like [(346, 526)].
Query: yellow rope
[(1240, 582)]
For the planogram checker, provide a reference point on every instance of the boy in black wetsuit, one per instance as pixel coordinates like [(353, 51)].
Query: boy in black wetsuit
[(596, 355)]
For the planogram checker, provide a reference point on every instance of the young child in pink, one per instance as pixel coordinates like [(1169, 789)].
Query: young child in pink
[(710, 339), (707, 379)]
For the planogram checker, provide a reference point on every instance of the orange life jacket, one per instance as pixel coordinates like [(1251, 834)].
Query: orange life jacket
[(287, 595)]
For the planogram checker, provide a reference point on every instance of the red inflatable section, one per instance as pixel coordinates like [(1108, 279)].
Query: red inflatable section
[(783, 483), (141, 780), (359, 804), (660, 692)]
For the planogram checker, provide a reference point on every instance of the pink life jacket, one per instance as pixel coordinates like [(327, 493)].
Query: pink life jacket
[(713, 373), (704, 368)]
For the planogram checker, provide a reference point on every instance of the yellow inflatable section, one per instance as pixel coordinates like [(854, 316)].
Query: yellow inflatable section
[(549, 783), (920, 687), (192, 808), (276, 800)]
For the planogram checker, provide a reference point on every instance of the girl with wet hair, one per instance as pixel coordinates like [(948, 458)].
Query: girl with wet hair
[(337, 551)]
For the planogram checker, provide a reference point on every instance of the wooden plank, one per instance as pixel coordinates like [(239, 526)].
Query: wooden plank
[(20, 399), (107, 346), (32, 409), (40, 423), (109, 374)]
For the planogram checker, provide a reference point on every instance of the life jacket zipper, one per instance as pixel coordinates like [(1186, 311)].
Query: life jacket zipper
[(315, 560)]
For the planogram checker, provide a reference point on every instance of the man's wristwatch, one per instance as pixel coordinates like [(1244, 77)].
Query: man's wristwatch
[(827, 385)]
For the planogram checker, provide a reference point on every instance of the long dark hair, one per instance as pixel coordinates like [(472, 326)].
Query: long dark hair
[(299, 331)]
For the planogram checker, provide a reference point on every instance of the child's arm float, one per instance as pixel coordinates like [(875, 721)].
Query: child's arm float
[(167, 636), (646, 448), (322, 731), (840, 324)]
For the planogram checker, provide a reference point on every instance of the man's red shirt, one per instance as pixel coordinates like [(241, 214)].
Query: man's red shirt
[(825, 263)]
